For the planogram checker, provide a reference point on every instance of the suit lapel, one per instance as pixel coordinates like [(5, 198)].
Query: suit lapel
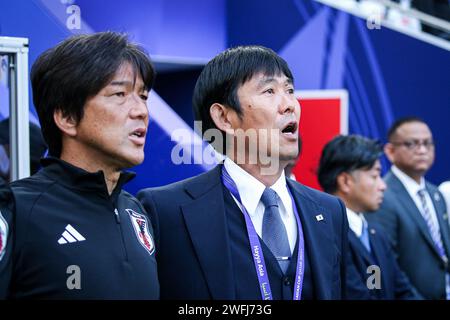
[(377, 250), (206, 224), (317, 239), (356, 243), (408, 203), (378, 258), (375, 257)]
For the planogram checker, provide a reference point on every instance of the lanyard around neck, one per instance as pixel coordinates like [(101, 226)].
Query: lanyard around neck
[(257, 252)]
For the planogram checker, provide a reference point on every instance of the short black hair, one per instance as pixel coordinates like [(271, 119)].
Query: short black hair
[(398, 123), (65, 76), (346, 154), (221, 78)]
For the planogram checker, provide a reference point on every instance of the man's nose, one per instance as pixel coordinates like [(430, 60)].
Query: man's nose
[(139, 107), (288, 103), (383, 185)]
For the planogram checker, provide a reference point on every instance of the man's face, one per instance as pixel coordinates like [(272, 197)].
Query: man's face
[(366, 189), (269, 103), (412, 148), (114, 125)]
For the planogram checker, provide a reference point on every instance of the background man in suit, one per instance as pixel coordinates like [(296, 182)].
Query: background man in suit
[(413, 211), (350, 169), (242, 230)]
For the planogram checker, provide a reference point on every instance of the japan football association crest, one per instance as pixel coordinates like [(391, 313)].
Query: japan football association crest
[(140, 226), (3, 235)]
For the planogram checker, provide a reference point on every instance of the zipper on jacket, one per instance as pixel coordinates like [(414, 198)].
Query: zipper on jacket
[(119, 226), (117, 215)]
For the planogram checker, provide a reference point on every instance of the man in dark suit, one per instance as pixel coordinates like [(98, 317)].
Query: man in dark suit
[(350, 169), (242, 230), (413, 212)]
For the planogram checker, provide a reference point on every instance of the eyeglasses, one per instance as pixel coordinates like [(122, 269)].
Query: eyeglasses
[(415, 144)]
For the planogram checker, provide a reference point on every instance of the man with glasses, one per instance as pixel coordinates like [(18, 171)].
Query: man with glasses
[(413, 211)]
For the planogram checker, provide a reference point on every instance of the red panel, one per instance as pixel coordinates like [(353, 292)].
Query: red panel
[(319, 123)]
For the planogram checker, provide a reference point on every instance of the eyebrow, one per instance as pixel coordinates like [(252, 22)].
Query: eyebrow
[(267, 80), (125, 83), (120, 83)]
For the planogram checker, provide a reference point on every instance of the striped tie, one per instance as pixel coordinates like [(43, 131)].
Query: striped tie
[(436, 236), (435, 232)]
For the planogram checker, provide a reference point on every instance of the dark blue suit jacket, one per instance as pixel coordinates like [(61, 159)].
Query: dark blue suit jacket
[(393, 282), (412, 242), (193, 251)]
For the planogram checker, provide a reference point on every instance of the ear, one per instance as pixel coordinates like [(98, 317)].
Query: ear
[(65, 123), (223, 117), (389, 151), (344, 182)]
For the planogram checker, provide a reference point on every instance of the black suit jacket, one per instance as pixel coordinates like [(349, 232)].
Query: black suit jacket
[(192, 240)]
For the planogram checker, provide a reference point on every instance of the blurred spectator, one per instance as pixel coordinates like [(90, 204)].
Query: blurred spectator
[(413, 210), (350, 169)]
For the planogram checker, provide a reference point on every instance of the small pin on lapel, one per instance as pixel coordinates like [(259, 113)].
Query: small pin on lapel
[(372, 231), (319, 217), (436, 196)]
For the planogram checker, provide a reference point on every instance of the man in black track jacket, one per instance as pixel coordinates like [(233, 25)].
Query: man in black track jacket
[(74, 233)]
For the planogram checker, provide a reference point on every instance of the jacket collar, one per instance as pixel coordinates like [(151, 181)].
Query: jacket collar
[(75, 177), (206, 224), (318, 238)]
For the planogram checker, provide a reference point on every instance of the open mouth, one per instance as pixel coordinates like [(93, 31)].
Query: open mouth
[(290, 128), (138, 136), (138, 133)]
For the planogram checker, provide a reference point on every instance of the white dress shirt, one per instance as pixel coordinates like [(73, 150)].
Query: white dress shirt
[(355, 222), (413, 188), (251, 189)]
